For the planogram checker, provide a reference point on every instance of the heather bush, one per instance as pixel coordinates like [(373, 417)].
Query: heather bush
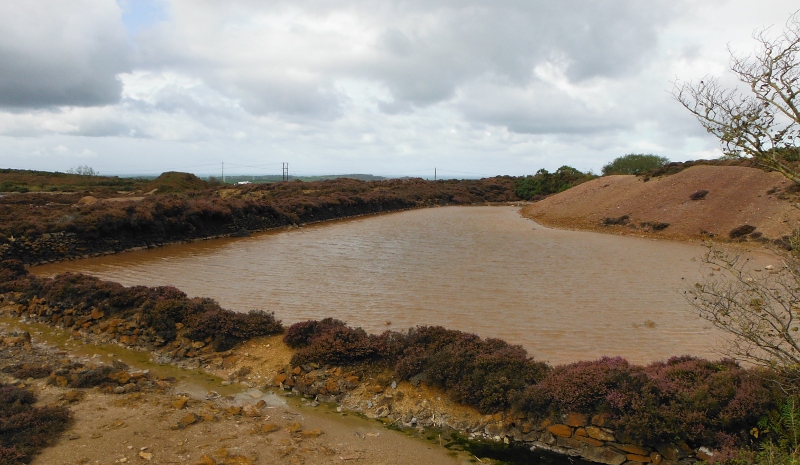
[(337, 345), (582, 387), (228, 328), (25, 370), (300, 334), (24, 429)]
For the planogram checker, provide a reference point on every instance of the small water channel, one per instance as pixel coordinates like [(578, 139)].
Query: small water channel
[(564, 295)]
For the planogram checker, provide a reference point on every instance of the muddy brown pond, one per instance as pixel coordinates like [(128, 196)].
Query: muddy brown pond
[(564, 295)]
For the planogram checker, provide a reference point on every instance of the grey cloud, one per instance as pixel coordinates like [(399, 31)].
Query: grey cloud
[(61, 53), (539, 109), (422, 51)]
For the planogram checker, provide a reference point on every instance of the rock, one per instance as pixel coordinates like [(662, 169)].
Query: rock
[(394, 384), (251, 411), (294, 427), (600, 419), (632, 449), (190, 419), (180, 403), (704, 454), (297, 370), (97, 313), (590, 441), (655, 457), (601, 435), (234, 410), (237, 460), (205, 460), (269, 428), (670, 452), (604, 455), (575, 419), (146, 455), (314, 433), (639, 458), (563, 431)]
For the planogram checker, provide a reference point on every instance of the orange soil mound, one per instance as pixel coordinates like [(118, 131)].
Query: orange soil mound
[(736, 196)]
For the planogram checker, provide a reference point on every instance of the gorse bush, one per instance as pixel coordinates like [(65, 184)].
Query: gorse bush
[(634, 163), (545, 183), (24, 429)]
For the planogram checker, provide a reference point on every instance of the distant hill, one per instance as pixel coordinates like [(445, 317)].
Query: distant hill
[(676, 206), (174, 181), (278, 178)]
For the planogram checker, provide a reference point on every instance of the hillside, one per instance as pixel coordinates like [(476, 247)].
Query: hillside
[(663, 206)]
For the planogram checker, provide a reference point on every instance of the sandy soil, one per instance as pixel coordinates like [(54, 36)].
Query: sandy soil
[(200, 419), (736, 196)]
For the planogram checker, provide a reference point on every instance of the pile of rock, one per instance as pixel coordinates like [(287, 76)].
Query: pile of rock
[(95, 327), (574, 434)]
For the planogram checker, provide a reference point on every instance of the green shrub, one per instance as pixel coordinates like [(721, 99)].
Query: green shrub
[(634, 163), (545, 183)]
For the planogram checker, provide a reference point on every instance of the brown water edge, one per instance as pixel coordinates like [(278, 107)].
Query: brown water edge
[(564, 295)]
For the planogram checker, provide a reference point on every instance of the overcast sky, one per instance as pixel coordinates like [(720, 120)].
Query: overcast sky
[(391, 87)]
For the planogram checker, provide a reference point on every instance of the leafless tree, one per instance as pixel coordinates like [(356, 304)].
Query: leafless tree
[(763, 123), (759, 310)]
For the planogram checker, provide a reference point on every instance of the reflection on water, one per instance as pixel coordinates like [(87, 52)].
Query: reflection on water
[(564, 295)]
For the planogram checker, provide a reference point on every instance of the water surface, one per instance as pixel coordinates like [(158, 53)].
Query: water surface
[(564, 295)]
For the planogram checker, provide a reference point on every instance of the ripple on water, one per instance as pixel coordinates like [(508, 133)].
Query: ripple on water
[(563, 295)]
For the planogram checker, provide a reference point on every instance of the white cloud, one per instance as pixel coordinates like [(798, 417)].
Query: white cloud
[(387, 87)]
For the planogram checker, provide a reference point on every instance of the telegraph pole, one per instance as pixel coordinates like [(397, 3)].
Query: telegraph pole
[(434, 174), (285, 176), (223, 172)]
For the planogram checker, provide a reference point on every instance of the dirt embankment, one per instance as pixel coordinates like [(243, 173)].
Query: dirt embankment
[(676, 206)]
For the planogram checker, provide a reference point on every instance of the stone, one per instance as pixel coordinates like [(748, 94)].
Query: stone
[(269, 428), (97, 313), (280, 379), (704, 454), (601, 435), (563, 431), (206, 460), (655, 457), (639, 458), (190, 419), (314, 433), (294, 427), (237, 460), (604, 455), (581, 432), (632, 449), (575, 419), (180, 403), (590, 441), (146, 455), (251, 411), (670, 451), (601, 419), (297, 370), (234, 410)]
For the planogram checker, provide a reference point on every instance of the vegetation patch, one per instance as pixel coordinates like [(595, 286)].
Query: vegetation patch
[(24, 429), (741, 231), (622, 220), (544, 183), (634, 163), (699, 195)]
